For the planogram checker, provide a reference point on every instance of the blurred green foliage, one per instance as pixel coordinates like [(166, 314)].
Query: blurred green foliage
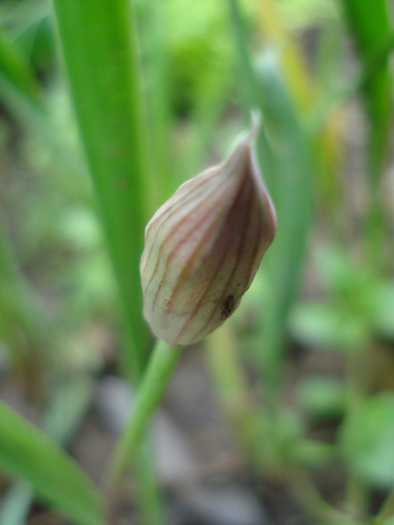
[(321, 76)]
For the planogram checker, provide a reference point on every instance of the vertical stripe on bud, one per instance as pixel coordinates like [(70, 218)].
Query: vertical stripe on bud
[(204, 246)]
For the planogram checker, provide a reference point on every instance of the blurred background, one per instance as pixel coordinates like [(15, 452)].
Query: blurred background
[(286, 415)]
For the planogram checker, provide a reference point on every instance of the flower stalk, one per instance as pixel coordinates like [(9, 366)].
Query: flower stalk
[(152, 387)]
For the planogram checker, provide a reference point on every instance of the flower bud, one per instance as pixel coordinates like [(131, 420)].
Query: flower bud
[(204, 246)]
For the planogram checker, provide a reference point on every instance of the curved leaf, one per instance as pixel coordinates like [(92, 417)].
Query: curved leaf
[(55, 476)]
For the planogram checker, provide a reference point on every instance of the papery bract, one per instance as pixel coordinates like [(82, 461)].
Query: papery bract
[(204, 246)]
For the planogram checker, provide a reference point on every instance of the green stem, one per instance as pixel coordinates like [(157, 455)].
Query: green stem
[(149, 496), (153, 385)]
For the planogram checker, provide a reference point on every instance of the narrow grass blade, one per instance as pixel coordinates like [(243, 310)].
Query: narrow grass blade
[(248, 85), (54, 475), (291, 185), (16, 68), (159, 88), (101, 57), (285, 158), (304, 90), (100, 54), (16, 504), (371, 27), (65, 413)]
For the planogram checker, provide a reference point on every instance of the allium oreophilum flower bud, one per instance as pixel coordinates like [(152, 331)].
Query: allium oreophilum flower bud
[(204, 246)]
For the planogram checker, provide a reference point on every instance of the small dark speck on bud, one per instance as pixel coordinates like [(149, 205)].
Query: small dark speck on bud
[(227, 306)]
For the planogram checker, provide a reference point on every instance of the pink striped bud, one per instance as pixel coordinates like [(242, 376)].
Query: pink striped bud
[(204, 246)]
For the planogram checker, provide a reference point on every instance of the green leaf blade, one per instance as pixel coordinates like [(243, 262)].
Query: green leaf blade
[(371, 27), (100, 53), (54, 475), (288, 171), (287, 167)]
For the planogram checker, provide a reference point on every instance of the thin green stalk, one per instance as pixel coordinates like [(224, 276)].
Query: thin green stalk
[(100, 53), (149, 496), (153, 385)]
